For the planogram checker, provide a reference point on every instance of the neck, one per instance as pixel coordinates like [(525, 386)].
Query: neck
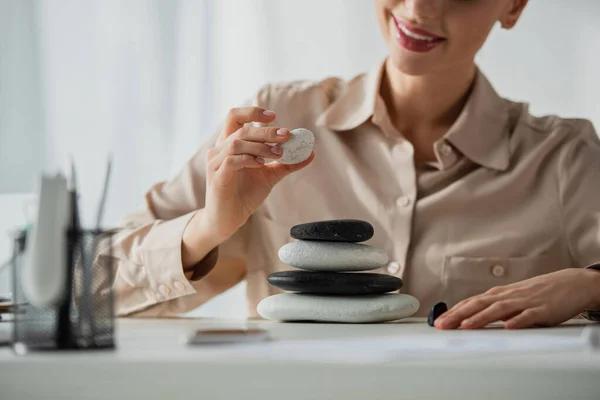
[(428, 103)]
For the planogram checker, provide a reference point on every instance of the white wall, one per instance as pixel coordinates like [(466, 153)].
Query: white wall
[(21, 116), (551, 59), (150, 79)]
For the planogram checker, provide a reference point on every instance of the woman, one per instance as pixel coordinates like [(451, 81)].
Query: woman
[(476, 202)]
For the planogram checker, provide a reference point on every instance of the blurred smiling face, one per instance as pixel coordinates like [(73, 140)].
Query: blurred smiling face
[(428, 36)]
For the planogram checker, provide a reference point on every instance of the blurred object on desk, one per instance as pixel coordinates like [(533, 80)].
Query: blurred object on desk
[(14, 210), (84, 318), (6, 307), (4, 334)]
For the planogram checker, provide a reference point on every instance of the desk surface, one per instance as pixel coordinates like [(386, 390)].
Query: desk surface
[(151, 362)]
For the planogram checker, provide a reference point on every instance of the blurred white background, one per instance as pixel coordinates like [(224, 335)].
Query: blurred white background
[(148, 81)]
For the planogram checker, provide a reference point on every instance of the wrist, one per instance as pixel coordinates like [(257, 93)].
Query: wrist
[(198, 239), (593, 277), (202, 231)]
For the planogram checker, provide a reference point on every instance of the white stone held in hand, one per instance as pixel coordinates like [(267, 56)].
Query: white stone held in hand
[(298, 148), (347, 309), (332, 256)]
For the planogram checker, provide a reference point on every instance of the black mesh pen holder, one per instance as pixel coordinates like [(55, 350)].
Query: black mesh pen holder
[(85, 318)]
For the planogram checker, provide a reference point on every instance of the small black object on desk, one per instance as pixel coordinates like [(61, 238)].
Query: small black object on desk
[(436, 311)]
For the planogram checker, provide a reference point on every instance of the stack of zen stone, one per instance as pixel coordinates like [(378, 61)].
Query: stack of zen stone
[(327, 288)]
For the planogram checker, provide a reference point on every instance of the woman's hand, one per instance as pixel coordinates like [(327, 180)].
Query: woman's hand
[(545, 300), (238, 180)]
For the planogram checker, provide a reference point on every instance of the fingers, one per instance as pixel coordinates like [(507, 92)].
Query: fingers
[(453, 318), (249, 140), (237, 117), (255, 144), (500, 310), (243, 147), (526, 319), (514, 312), (262, 134)]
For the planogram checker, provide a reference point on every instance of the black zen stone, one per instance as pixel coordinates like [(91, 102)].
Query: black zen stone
[(339, 283), (338, 230), (435, 312)]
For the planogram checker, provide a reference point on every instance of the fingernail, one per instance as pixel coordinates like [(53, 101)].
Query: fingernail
[(269, 113), (260, 160), (282, 132), (466, 322), (276, 150)]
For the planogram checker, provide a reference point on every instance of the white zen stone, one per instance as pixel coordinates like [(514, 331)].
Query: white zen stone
[(298, 147), (350, 309), (332, 256)]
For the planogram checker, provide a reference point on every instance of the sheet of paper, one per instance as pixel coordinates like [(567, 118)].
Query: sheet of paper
[(394, 348)]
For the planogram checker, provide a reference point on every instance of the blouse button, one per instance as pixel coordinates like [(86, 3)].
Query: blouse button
[(164, 290), (403, 201), (393, 267), (498, 271), (178, 286)]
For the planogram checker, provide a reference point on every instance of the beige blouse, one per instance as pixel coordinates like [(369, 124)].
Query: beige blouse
[(511, 196)]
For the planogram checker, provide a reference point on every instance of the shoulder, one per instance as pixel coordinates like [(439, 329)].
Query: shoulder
[(564, 128), (549, 135)]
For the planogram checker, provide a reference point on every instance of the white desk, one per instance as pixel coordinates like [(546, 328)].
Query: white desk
[(152, 363)]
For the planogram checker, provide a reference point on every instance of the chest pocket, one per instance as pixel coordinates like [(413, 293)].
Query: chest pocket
[(469, 276)]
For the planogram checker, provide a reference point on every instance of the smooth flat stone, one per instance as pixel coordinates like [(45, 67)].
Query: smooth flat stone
[(334, 282), (435, 312), (349, 309), (332, 256), (299, 146), (338, 230)]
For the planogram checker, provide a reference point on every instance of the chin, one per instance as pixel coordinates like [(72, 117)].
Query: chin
[(415, 66)]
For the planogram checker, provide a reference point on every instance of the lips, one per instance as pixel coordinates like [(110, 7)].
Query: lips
[(415, 39)]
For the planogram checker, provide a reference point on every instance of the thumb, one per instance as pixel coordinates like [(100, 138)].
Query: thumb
[(278, 171)]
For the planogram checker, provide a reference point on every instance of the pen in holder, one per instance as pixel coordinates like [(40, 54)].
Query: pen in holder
[(84, 317)]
